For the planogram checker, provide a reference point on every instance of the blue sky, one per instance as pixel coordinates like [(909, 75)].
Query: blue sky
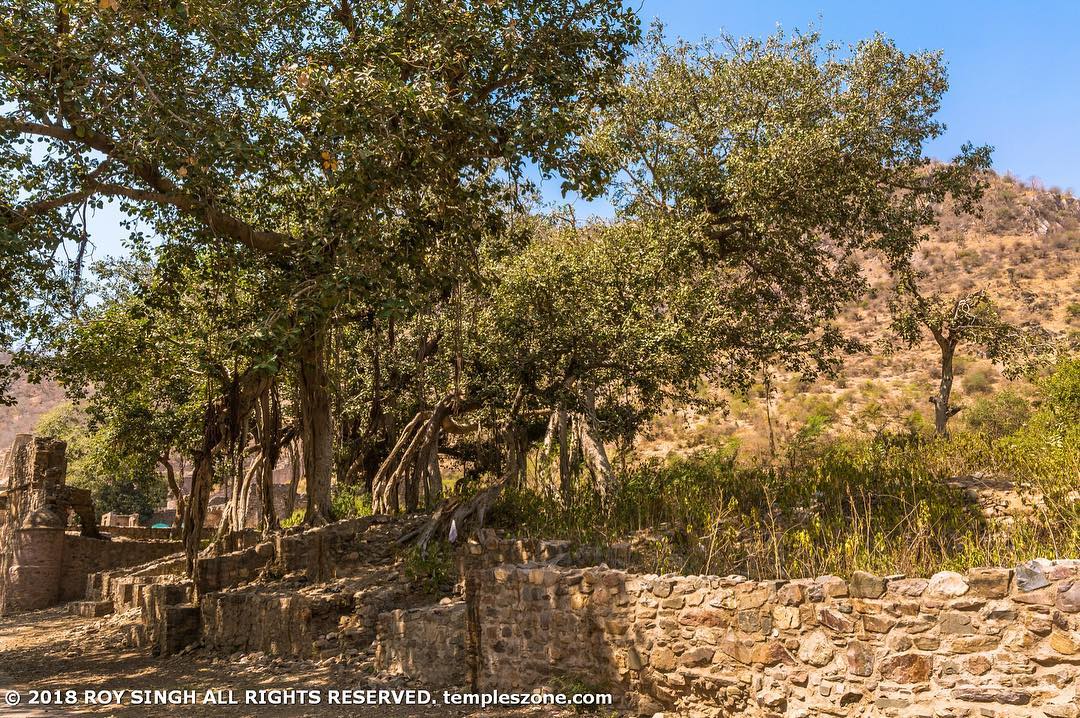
[(1014, 67), (1014, 71)]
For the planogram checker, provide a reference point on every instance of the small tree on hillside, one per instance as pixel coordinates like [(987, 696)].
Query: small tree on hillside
[(972, 319)]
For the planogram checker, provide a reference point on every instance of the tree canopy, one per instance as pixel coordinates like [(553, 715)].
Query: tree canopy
[(345, 258)]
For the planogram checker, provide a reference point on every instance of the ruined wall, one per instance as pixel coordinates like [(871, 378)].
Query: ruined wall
[(33, 568), (31, 523), (489, 550), (278, 623), (321, 612), (428, 642), (40, 563), (320, 554), (234, 541), (993, 642), (82, 556)]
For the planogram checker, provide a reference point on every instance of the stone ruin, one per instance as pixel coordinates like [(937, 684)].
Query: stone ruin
[(115, 520), (32, 489), (988, 643), (42, 563)]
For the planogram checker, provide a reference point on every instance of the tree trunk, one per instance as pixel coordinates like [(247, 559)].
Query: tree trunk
[(413, 464), (316, 425), (269, 413), (562, 429), (174, 489), (294, 480), (943, 408), (221, 424), (768, 413), (592, 445), (195, 516)]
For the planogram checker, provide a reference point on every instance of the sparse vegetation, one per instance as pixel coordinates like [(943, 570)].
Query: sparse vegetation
[(844, 503), (431, 567)]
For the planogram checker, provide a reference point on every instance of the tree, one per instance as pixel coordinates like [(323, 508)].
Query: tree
[(969, 319), (119, 481), (786, 164), (753, 178), (598, 329), (347, 144)]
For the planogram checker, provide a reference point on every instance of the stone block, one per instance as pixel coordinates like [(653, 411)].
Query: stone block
[(866, 585), (91, 609)]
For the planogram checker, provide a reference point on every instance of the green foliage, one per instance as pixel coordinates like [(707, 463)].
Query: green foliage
[(350, 501), (849, 506), (1061, 393), (756, 154), (999, 415), (1045, 453), (118, 481), (883, 504), (551, 326), (431, 567), (297, 519)]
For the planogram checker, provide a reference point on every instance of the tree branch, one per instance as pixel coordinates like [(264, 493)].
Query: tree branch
[(163, 190)]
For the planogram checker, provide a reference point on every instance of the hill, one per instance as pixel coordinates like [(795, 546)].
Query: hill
[(1024, 250), (33, 401)]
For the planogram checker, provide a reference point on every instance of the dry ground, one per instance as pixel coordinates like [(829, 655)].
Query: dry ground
[(53, 650)]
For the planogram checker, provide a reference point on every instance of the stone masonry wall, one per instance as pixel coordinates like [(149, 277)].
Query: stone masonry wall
[(993, 642), (427, 642), (84, 556), (489, 550), (321, 554)]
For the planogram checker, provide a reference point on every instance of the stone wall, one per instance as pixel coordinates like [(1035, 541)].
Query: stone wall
[(115, 520), (233, 541), (993, 642), (320, 554), (40, 563), (489, 550), (33, 568), (427, 642), (83, 556), (278, 623), (322, 608)]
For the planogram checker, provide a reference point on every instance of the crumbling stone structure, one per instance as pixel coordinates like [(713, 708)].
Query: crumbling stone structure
[(113, 519), (989, 643), (41, 564)]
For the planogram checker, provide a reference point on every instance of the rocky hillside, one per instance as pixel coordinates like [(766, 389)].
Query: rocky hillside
[(1024, 250), (33, 401)]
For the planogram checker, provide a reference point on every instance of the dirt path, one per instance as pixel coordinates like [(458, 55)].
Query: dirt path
[(51, 650)]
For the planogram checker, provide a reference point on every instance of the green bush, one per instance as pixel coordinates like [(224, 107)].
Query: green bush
[(1044, 455), (870, 505), (432, 567), (979, 379), (998, 416), (293, 521), (350, 501), (840, 503), (126, 483)]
